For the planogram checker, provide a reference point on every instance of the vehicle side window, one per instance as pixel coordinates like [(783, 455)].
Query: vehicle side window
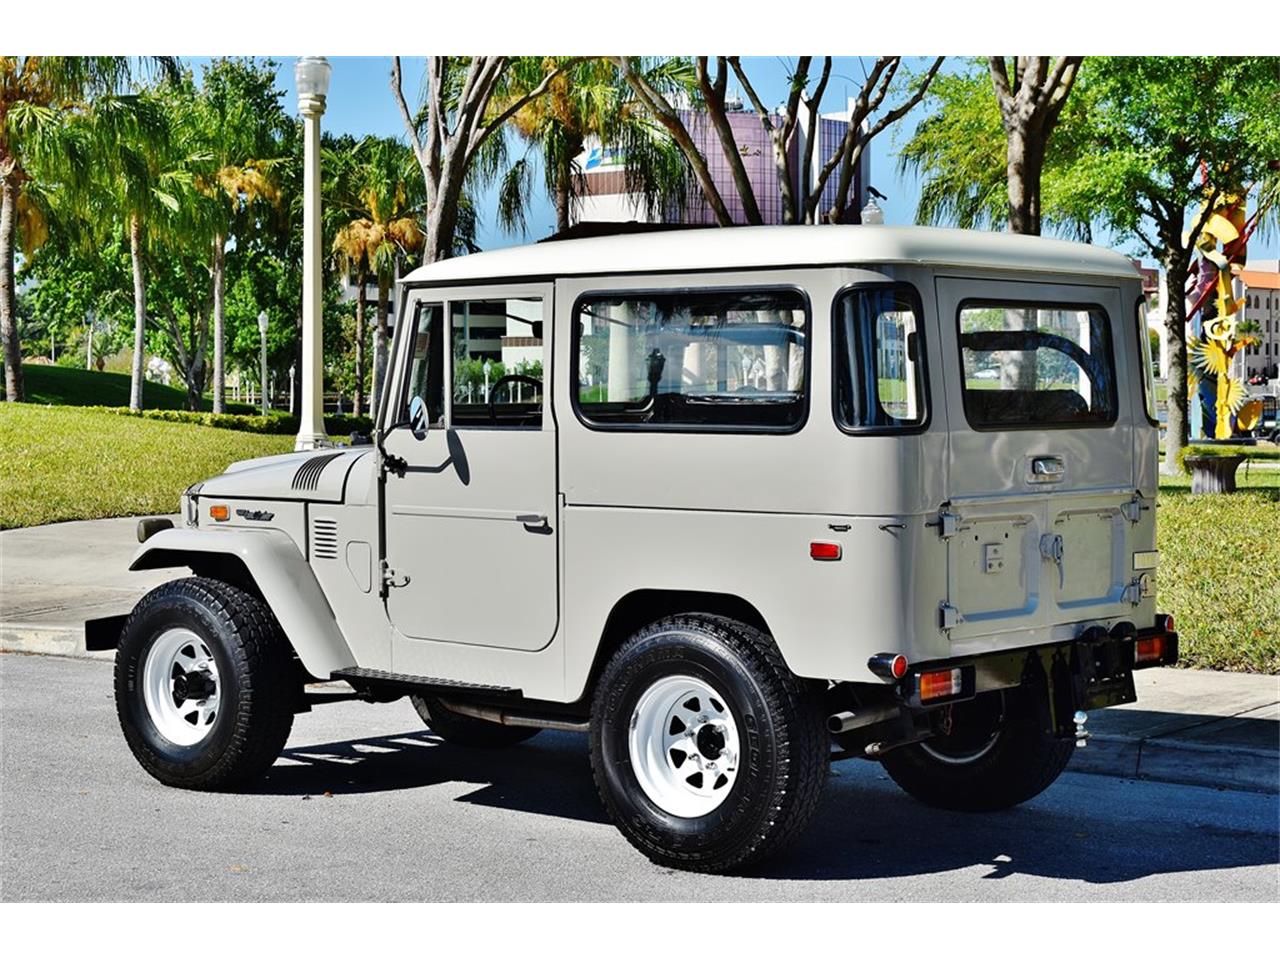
[(714, 359), (1148, 363), (497, 363), (1036, 365), (426, 366), (879, 359)]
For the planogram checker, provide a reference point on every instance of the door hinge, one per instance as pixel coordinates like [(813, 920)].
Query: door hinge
[(1133, 507), (949, 616), (948, 524), (392, 578)]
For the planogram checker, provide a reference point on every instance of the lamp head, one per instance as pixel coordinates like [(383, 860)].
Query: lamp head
[(263, 320), (311, 76)]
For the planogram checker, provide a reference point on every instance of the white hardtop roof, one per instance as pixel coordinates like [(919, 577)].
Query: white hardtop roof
[(736, 248)]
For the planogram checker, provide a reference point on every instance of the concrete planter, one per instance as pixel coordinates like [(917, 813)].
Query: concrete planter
[(1212, 474)]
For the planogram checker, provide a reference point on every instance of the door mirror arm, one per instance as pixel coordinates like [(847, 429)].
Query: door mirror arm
[(417, 422)]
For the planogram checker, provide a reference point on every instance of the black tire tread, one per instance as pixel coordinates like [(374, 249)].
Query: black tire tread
[(1023, 765), (803, 750), (266, 676)]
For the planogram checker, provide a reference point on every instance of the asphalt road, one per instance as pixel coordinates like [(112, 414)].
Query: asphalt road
[(366, 805)]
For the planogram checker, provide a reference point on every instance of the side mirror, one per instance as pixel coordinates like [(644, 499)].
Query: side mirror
[(418, 418)]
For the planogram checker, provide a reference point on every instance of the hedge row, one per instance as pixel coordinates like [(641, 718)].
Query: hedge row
[(338, 425)]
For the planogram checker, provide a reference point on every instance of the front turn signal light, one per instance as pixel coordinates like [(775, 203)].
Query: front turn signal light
[(220, 511)]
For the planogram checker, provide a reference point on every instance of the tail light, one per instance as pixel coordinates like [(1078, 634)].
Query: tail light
[(936, 684), (1148, 650)]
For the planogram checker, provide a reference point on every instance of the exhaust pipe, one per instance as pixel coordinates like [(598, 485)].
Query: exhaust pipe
[(847, 720), (494, 715)]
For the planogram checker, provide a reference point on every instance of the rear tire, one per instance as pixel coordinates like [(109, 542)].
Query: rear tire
[(463, 731), (996, 757), (205, 685), (708, 753)]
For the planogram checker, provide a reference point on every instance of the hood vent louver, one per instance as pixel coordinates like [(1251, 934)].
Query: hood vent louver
[(324, 539), (308, 475)]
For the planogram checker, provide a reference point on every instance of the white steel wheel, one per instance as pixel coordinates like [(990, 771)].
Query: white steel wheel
[(684, 746), (180, 687)]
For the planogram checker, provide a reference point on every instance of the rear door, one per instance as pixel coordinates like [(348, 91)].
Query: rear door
[(1041, 462)]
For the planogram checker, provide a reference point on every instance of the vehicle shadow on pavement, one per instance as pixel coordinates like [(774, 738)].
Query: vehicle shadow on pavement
[(867, 829), (549, 775)]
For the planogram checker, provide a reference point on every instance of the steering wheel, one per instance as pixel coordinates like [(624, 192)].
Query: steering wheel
[(509, 378)]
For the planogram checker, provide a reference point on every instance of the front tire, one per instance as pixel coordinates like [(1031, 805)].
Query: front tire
[(996, 757), (708, 753), (205, 685)]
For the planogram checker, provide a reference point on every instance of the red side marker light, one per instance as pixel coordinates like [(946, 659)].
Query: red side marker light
[(824, 550), (940, 683), (899, 667)]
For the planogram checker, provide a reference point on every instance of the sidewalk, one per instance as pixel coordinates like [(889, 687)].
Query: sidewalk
[(1189, 726)]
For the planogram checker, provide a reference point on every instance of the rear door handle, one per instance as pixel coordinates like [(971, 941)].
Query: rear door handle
[(1047, 469)]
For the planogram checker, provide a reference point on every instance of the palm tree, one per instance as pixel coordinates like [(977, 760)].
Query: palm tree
[(377, 213), (36, 96), (238, 111), (588, 103), (144, 182)]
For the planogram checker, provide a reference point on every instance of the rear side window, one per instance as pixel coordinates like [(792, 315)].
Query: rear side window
[(880, 382), (1036, 365), (715, 359), (1148, 363)]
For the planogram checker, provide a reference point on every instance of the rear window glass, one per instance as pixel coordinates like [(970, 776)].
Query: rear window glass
[(693, 359), (879, 360), (1038, 365)]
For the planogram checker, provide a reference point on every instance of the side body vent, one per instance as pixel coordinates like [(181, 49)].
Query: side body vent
[(308, 475), (324, 539)]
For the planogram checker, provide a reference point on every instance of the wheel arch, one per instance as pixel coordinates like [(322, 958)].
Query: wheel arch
[(643, 606), (266, 563)]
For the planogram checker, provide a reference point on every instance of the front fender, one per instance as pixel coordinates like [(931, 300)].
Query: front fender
[(282, 575)]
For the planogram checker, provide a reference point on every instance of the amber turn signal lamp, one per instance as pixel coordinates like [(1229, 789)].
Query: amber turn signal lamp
[(220, 511)]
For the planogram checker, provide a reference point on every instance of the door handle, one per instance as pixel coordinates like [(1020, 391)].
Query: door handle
[(1047, 469)]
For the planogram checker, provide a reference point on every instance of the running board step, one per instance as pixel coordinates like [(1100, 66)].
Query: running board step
[(412, 684)]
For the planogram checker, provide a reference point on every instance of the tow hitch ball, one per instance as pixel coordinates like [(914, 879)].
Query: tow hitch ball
[(1082, 735)]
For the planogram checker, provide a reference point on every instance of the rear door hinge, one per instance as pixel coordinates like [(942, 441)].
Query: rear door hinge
[(948, 524), (1133, 507), (949, 616)]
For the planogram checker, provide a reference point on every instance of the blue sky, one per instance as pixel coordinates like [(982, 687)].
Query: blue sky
[(360, 102)]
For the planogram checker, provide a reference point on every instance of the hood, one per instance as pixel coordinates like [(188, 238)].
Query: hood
[(318, 475)]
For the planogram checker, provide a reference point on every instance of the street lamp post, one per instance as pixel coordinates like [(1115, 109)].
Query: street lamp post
[(263, 320), (312, 77)]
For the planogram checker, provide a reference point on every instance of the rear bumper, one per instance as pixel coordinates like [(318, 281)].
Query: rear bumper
[(1092, 671)]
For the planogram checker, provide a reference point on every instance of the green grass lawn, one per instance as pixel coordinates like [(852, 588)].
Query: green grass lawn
[(69, 386), (1219, 572), (61, 463)]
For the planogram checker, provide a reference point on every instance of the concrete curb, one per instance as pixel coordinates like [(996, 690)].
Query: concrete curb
[(49, 639), (1164, 759), (1178, 761)]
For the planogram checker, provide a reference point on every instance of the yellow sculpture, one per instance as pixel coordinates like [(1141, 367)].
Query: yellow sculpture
[(1221, 337)]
